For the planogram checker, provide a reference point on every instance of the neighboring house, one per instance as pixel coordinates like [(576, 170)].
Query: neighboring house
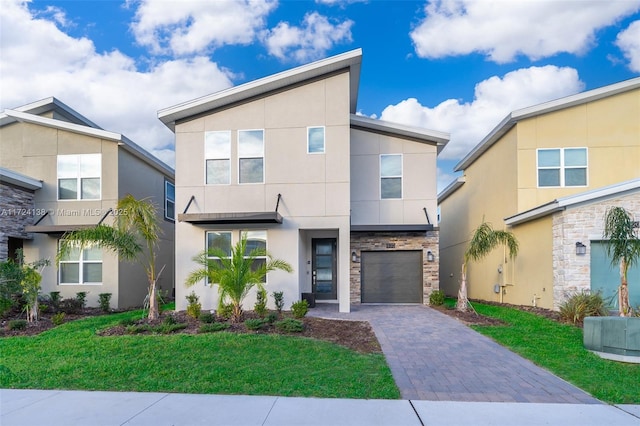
[(348, 201), (60, 172), (547, 173)]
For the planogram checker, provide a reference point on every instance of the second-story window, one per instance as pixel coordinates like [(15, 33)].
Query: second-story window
[(250, 156), (217, 154), (315, 140), (562, 167), (391, 176), (169, 201), (79, 176)]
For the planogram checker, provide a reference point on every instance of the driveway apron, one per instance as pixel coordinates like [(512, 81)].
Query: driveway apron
[(437, 358)]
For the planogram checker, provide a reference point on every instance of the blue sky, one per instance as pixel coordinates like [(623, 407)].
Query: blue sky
[(457, 66)]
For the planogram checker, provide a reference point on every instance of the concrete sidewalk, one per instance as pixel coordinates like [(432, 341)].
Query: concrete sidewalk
[(75, 408)]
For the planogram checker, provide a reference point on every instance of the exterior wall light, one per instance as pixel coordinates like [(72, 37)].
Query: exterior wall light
[(354, 257), (581, 249), (430, 256)]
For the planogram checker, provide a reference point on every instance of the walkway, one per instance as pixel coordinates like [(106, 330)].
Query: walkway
[(434, 357)]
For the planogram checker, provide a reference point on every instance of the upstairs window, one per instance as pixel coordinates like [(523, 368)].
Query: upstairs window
[(250, 156), (391, 176), (81, 267), (217, 154), (315, 140), (169, 201), (79, 177), (561, 167)]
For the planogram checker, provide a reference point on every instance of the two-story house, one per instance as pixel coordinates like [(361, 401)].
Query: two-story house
[(547, 173), (60, 172), (348, 201)]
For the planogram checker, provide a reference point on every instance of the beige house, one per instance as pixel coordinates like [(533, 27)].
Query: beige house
[(547, 173), (60, 172), (348, 201)]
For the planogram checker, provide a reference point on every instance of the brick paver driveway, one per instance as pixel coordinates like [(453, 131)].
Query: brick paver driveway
[(435, 357)]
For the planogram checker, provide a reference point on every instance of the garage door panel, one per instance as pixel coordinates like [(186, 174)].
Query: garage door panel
[(391, 277)]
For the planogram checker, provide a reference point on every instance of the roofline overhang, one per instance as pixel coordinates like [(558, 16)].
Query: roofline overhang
[(19, 180), (453, 186), (346, 61), (544, 108), (234, 218), (55, 229)]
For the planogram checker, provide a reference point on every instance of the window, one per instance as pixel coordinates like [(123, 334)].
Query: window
[(169, 201), (391, 176), (217, 154), (562, 167), (257, 240), (79, 177), (224, 241), (250, 156), (315, 140), (81, 267)]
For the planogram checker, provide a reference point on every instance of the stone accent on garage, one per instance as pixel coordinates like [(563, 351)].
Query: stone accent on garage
[(392, 241), (16, 212)]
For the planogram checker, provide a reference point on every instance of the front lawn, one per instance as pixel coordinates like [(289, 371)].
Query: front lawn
[(72, 356), (558, 348)]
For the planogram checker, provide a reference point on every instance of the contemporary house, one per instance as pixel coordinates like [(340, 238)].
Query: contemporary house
[(547, 173), (60, 172), (348, 201)]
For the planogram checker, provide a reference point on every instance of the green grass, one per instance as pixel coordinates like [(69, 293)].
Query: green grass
[(72, 356), (559, 349)]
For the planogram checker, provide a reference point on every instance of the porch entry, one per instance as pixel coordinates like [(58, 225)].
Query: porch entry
[(323, 268)]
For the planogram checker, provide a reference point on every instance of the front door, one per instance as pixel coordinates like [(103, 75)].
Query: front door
[(323, 264)]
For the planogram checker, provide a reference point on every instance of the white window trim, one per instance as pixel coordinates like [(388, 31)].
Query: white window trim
[(218, 158), (562, 167), (385, 177), (264, 163), (166, 201), (78, 178), (235, 237), (324, 139), (80, 262)]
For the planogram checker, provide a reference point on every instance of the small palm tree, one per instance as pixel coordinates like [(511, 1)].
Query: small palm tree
[(623, 248), (484, 240), (235, 275), (133, 236)]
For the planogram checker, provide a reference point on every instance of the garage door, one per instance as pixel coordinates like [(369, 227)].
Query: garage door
[(606, 278), (391, 276)]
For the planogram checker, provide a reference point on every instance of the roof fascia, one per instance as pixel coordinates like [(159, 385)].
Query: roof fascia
[(451, 188), (18, 179), (144, 155), (51, 104), (351, 60)]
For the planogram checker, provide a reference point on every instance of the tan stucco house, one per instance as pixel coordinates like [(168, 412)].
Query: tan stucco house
[(547, 173), (348, 201), (59, 172)]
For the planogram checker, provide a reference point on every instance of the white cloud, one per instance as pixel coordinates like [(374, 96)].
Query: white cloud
[(494, 98), (502, 30), (39, 60), (629, 42), (188, 27), (308, 42)]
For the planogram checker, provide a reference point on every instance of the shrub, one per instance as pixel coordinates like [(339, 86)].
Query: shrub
[(207, 318), (126, 322), (166, 328), (212, 328), (104, 300), (138, 328), (54, 300), (300, 308), (582, 305), (278, 298), (260, 306), (436, 298), (19, 324), (71, 306), (169, 320), (271, 317), (255, 324), (194, 307), (58, 318), (226, 311), (81, 297), (290, 325)]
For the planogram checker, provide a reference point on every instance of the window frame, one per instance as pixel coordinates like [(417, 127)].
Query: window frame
[(235, 236), (240, 158), (167, 201), (81, 262), (562, 167), (400, 176), (208, 158), (78, 176), (324, 140)]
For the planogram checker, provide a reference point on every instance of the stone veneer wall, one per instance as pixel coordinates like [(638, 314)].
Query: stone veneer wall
[(571, 272), (379, 241), (16, 212)]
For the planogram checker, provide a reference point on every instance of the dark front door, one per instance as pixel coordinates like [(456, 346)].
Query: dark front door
[(324, 268)]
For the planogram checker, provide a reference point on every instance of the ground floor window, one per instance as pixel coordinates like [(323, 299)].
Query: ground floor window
[(225, 240), (81, 267)]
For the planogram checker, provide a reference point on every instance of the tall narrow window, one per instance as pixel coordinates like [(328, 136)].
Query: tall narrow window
[(79, 177), (315, 140), (561, 167), (217, 154), (169, 201), (218, 241), (81, 267), (391, 176), (257, 239), (251, 156)]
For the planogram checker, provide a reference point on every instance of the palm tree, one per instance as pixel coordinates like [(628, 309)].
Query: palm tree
[(484, 240), (133, 236), (234, 275), (623, 248)]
